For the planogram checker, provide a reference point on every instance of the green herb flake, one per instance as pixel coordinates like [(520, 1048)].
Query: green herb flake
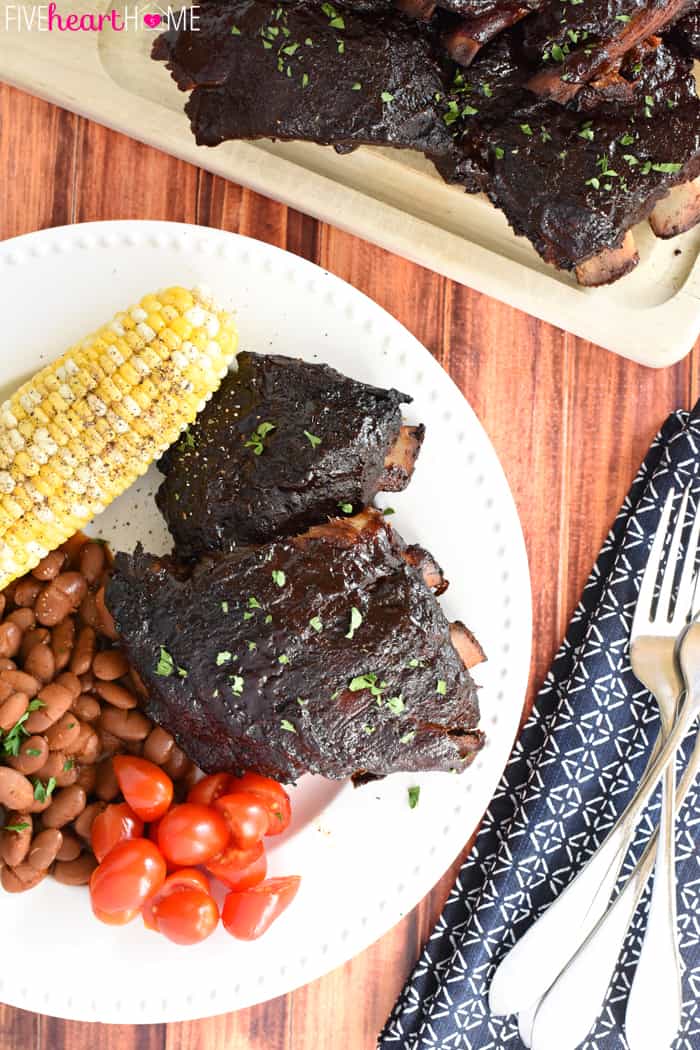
[(441, 687), (252, 646), (316, 623), (469, 111), (557, 53), (256, 441), (487, 90), (387, 511), (345, 507), (312, 439), (42, 792), (623, 18), (16, 827), (278, 577), (224, 607), (248, 615), (33, 751), (631, 159), (283, 659), (301, 702), (236, 684), (627, 139), (253, 603), (396, 705), (224, 657), (235, 31), (308, 42), (290, 49), (587, 132), (337, 23), (357, 86), (386, 96), (667, 169), (36, 704), (268, 618), (407, 737), (499, 153), (355, 621), (526, 130), (287, 726), (368, 729), (413, 796), (166, 665), (305, 80), (594, 182), (68, 765)]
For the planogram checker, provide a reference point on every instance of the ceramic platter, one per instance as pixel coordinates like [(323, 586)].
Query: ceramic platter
[(365, 857)]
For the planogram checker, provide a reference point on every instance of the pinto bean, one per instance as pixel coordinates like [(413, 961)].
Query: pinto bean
[(66, 805), (10, 639), (84, 651), (178, 764), (68, 774), (12, 710), (116, 695), (158, 746), (62, 642), (75, 872), (36, 636), (33, 753), (86, 778), (41, 663), (44, 849), (86, 708), (52, 605), (106, 784), (83, 824), (111, 744), (3, 602), (87, 745), (17, 880), (70, 848), (126, 725), (7, 665), (53, 766), (71, 682), (87, 682), (27, 592), (23, 618), (56, 700), (106, 620), (110, 665), (50, 566), (21, 682), (92, 561), (63, 734), (14, 845), (16, 792), (88, 612)]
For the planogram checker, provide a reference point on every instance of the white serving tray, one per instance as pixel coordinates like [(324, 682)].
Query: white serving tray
[(392, 198)]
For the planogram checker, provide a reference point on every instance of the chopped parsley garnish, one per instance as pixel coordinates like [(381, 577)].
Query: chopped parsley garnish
[(253, 603), (11, 743), (368, 681), (224, 607), (469, 111), (287, 726), (587, 131), (316, 623), (290, 49), (235, 31), (627, 139), (452, 113), (283, 659), (630, 158), (487, 90), (302, 703), (248, 615), (224, 657), (387, 511), (42, 792), (16, 827), (33, 751), (368, 729), (305, 80), (441, 687), (36, 704), (256, 441), (396, 705), (357, 86), (557, 53), (188, 438), (68, 765), (236, 684), (623, 18), (355, 621), (345, 507), (594, 182), (413, 796), (407, 737), (268, 618), (312, 439), (667, 169), (386, 96), (166, 665), (278, 577), (252, 646), (526, 130), (499, 153)]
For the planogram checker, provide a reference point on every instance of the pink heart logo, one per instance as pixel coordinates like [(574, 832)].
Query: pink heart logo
[(152, 21)]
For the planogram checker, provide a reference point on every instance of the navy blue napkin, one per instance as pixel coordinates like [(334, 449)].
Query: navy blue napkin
[(571, 773)]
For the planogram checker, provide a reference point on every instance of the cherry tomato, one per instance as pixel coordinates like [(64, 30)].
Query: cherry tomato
[(246, 815), (185, 878), (208, 789), (144, 785), (239, 868), (279, 806), (116, 918), (192, 834), (187, 916), (132, 871), (247, 914), (113, 825)]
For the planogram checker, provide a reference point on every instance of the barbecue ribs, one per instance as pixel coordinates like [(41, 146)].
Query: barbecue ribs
[(325, 653), (283, 445)]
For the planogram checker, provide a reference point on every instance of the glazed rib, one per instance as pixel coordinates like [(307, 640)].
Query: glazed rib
[(281, 676)]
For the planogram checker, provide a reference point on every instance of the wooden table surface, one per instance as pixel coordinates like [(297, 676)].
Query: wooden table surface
[(570, 422)]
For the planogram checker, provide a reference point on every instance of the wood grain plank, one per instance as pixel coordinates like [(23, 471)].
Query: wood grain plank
[(19, 1028), (37, 162), (264, 1027), (56, 1034)]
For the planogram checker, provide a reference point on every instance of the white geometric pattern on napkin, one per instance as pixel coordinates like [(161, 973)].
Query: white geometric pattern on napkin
[(569, 776)]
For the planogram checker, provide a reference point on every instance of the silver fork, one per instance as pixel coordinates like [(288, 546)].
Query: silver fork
[(535, 962)]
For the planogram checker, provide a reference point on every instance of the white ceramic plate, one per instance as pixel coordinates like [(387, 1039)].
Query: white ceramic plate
[(365, 858)]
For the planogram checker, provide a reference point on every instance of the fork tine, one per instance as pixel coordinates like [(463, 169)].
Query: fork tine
[(642, 612), (663, 608), (688, 585)]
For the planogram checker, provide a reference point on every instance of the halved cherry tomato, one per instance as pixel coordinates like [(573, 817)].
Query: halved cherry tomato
[(208, 789), (114, 824), (279, 806), (246, 815), (116, 918), (144, 785), (192, 834), (185, 878), (132, 871), (247, 914), (187, 916), (239, 869)]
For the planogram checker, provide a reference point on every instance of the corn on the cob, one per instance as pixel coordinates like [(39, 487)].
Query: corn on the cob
[(85, 427)]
